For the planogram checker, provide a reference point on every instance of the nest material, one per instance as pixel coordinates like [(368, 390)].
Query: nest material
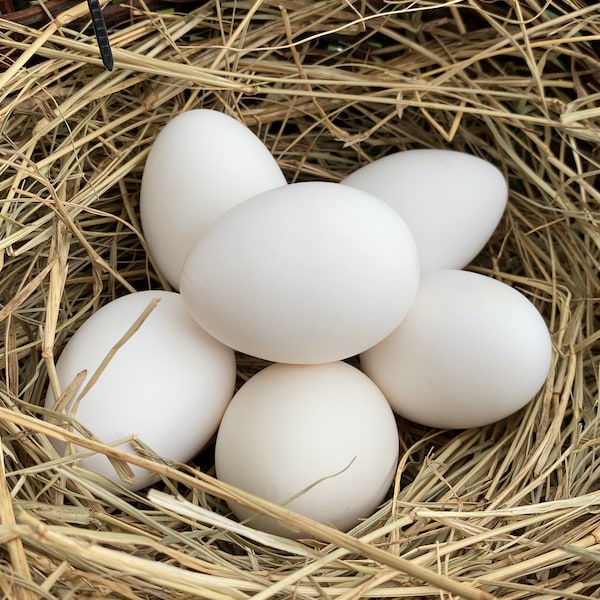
[(507, 511)]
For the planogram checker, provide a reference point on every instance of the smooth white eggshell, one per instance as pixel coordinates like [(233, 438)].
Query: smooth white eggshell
[(323, 433), (201, 164), (471, 351), (168, 385), (451, 201), (307, 273)]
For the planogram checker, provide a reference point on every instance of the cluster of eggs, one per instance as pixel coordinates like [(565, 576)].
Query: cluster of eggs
[(303, 275)]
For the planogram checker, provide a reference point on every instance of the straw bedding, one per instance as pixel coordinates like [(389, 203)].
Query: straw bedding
[(508, 511)]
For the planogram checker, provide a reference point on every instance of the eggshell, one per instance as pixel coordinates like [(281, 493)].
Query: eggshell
[(471, 351), (168, 385), (320, 439), (201, 164), (451, 201), (307, 273)]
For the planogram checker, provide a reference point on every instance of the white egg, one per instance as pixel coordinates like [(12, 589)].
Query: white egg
[(451, 201), (307, 273), (471, 351), (201, 164), (168, 385), (320, 439)]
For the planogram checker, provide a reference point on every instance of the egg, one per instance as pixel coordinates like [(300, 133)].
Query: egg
[(451, 201), (320, 439), (201, 164), (471, 351), (308, 273), (167, 386)]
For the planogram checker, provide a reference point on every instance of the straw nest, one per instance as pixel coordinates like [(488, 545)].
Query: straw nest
[(508, 511)]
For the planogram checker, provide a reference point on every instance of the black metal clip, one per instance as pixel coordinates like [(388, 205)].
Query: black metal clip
[(101, 32)]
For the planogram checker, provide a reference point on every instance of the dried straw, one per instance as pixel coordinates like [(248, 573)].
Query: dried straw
[(509, 511)]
